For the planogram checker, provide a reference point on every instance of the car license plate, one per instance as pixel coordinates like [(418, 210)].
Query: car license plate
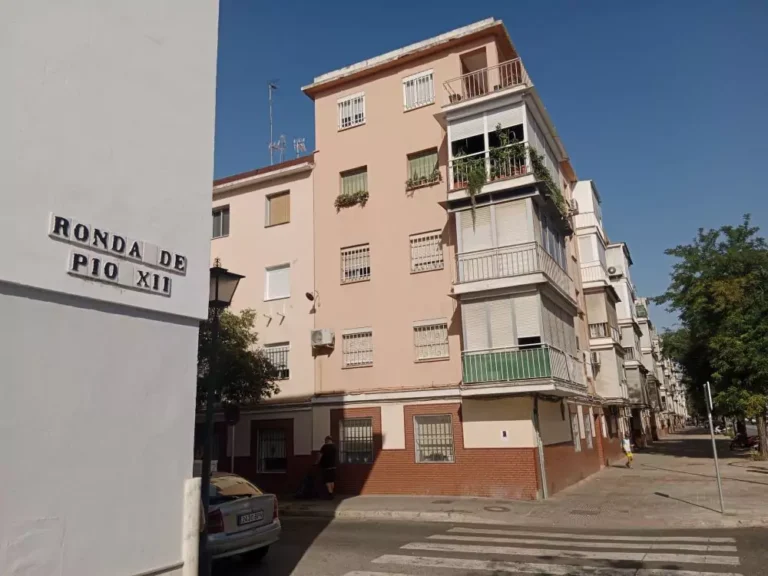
[(250, 518)]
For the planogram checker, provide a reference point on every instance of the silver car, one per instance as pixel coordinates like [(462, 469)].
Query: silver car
[(241, 518)]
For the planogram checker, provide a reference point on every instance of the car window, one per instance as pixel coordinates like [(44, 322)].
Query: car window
[(227, 487)]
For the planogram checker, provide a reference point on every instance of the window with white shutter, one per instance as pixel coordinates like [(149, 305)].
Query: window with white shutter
[(527, 319), (478, 236), (351, 111), (474, 317), (507, 117), (586, 250), (466, 127), (277, 282), (419, 90), (502, 325), (511, 223)]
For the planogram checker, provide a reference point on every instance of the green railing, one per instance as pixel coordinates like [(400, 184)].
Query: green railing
[(513, 364)]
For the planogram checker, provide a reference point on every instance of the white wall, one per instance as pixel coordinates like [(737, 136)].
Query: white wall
[(553, 426), (498, 423), (107, 115)]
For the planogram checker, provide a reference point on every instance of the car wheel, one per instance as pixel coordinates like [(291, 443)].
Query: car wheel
[(258, 554)]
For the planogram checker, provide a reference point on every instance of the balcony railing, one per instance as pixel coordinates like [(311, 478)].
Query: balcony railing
[(594, 273), (516, 364), (629, 353), (503, 163), (604, 330), (511, 261), (485, 81), (587, 219)]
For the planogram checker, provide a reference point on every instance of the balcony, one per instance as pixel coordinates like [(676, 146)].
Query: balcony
[(604, 330), (519, 365), (509, 262), (495, 165), (485, 81), (629, 353), (586, 220), (594, 273)]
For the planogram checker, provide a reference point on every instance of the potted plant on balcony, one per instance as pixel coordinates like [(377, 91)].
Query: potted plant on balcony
[(349, 199), (475, 176), (508, 158)]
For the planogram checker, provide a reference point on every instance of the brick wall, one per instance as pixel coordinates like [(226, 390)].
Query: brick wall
[(503, 473), (565, 466)]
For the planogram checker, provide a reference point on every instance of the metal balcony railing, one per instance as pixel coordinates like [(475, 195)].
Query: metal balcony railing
[(485, 81), (587, 219), (604, 330), (629, 353), (510, 261), (502, 163), (594, 273), (517, 364)]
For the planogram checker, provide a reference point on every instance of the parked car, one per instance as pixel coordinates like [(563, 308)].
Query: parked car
[(241, 518)]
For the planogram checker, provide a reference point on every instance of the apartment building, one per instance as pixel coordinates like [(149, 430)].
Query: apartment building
[(445, 271), (606, 360), (637, 415), (263, 229)]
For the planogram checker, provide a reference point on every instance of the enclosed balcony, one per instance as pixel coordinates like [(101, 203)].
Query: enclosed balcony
[(485, 82), (524, 365), (510, 266), (594, 273), (600, 330)]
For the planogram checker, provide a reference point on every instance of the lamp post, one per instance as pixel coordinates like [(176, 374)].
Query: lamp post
[(222, 289)]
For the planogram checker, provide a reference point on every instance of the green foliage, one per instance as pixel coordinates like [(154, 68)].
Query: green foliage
[(417, 181), (508, 157), (541, 172), (351, 199), (244, 374), (719, 288), (473, 167)]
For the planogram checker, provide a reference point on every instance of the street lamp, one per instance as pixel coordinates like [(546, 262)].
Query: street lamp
[(222, 290)]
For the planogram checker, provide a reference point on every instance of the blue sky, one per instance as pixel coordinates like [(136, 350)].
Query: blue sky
[(662, 103)]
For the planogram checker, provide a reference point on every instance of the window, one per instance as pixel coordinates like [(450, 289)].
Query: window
[(575, 432), (270, 451), (433, 436), (351, 111), (431, 340), (278, 355), (277, 282), (426, 252), (357, 348), (553, 242), (354, 181), (278, 209), (419, 90), (422, 168), (221, 222), (588, 430), (355, 263), (356, 441)]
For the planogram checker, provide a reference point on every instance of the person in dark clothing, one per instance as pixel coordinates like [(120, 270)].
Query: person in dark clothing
[(327, 462)]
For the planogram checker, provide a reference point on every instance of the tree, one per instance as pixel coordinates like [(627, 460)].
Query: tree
[(244, 374), (719, 288)]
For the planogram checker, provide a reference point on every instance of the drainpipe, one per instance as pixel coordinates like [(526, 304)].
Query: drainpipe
[(540, 448)]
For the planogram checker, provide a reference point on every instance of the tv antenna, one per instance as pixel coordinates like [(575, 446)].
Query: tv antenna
[(299, 145), (271, 87)]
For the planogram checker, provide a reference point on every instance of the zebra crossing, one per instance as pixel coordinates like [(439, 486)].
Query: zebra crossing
[(493, 551)]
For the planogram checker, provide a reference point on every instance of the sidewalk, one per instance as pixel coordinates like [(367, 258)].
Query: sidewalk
[(672, 485)]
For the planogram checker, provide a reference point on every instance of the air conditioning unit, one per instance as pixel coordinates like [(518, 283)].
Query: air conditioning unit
[(613, 271), (323, 338), (594, 357)]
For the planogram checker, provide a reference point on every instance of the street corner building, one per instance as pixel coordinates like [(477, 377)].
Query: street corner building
[(426, 293), (107, 161)]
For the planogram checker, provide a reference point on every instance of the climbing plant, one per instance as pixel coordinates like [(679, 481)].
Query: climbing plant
[(541, 173)]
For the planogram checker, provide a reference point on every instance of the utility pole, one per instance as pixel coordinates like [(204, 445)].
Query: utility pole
[(714, 445)]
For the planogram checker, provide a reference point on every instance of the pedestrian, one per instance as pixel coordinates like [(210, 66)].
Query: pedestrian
[(327, 462), (627, 448)]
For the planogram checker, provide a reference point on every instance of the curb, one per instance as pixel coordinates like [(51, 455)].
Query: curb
[(460, 518)]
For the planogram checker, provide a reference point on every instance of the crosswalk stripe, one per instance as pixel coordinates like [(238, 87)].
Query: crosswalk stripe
[(524, 567), (571, 536), (589, 555), (591, 544)]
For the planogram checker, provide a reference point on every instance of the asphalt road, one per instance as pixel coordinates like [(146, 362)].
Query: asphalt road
[(317, 547)]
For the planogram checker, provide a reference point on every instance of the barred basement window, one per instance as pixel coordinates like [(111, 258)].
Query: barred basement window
[(426, 252), (278, 355), (356, 263), (351, 110), (270, 450), (418, 90), (433, 436), (357, 348), (356, 441), (430, 340), (575, 432)]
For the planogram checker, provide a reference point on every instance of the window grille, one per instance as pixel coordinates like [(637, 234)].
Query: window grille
[(351, 111), (356, 441), (278, 356), (357, 348), (426, 252), (419, 90), (431, 341), (433, 436), (356, 263), (271, 451)]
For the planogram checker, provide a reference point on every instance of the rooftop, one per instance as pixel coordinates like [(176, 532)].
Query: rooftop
[(265, 172)]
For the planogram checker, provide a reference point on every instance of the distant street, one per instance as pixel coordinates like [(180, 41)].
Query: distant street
[(314, 547)]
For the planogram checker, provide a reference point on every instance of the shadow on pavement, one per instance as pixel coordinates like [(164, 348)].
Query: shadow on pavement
[(729, 478), (700, 447), (663, 495)]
